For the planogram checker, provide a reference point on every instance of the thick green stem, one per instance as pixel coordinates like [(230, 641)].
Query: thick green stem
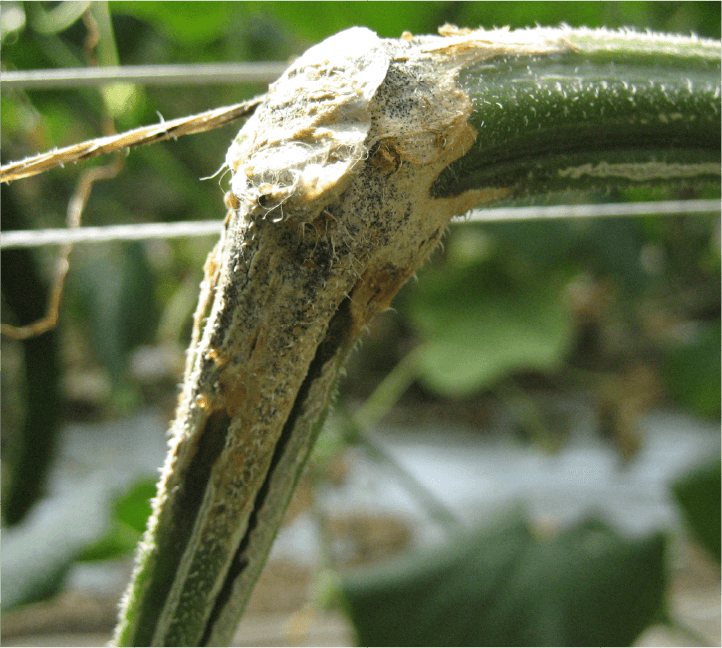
[(344, 181), (620, 109)]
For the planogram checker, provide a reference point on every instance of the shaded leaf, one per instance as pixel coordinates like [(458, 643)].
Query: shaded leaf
[(191, 23), (692, 371), (481, 325), (501, 586), (130, 514), (312, 20), (57, 19), (698, 495), (115, 290), (134, 507), (37, 554), (118, 541)]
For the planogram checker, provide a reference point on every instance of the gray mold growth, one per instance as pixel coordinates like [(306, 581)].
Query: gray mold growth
[(298, 152)]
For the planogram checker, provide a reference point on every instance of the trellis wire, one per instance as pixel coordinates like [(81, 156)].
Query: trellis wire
[(654, 208), (142, 231), (139, 231), (177, 74)]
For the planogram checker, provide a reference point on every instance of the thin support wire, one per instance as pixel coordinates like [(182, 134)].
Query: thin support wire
[(142, 231), (657, 208), (179, 74), (136, 232)]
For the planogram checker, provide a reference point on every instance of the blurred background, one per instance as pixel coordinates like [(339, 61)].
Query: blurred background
[(571, 366)]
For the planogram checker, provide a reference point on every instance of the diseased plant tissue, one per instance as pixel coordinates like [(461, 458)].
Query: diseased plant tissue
[(330, 212)]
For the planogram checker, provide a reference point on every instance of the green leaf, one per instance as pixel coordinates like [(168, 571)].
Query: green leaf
[(37, 554), (190, 23), (118, 541), (692, 371), (698, 495), (13, 22), (130, 514), (57, 19), (312, 20), (481, 325), (500, 586), (115, 289), (134, 507)]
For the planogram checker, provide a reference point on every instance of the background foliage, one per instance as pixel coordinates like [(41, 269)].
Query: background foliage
[(625, 309)]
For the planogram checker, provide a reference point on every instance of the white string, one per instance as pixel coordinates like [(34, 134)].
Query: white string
[(659, 208), (35, 238), (179, 74), (141, 231)]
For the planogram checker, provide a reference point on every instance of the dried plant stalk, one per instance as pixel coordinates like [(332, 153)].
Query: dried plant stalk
[(175, 128)]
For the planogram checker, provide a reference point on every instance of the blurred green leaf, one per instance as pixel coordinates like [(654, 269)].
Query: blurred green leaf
[(191, 23), (546, 244), (500, 586), (130, 514), (115, 289), (57, 19), (12, 20), (196, 23), (480, 324), (134, 507), (37, 554), (609, 246), (692, 371), (118, 541), (698, 495), (313, 21), (614, 245)]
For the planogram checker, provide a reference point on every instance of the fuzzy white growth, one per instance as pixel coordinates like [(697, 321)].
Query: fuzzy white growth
[(314, 126)]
